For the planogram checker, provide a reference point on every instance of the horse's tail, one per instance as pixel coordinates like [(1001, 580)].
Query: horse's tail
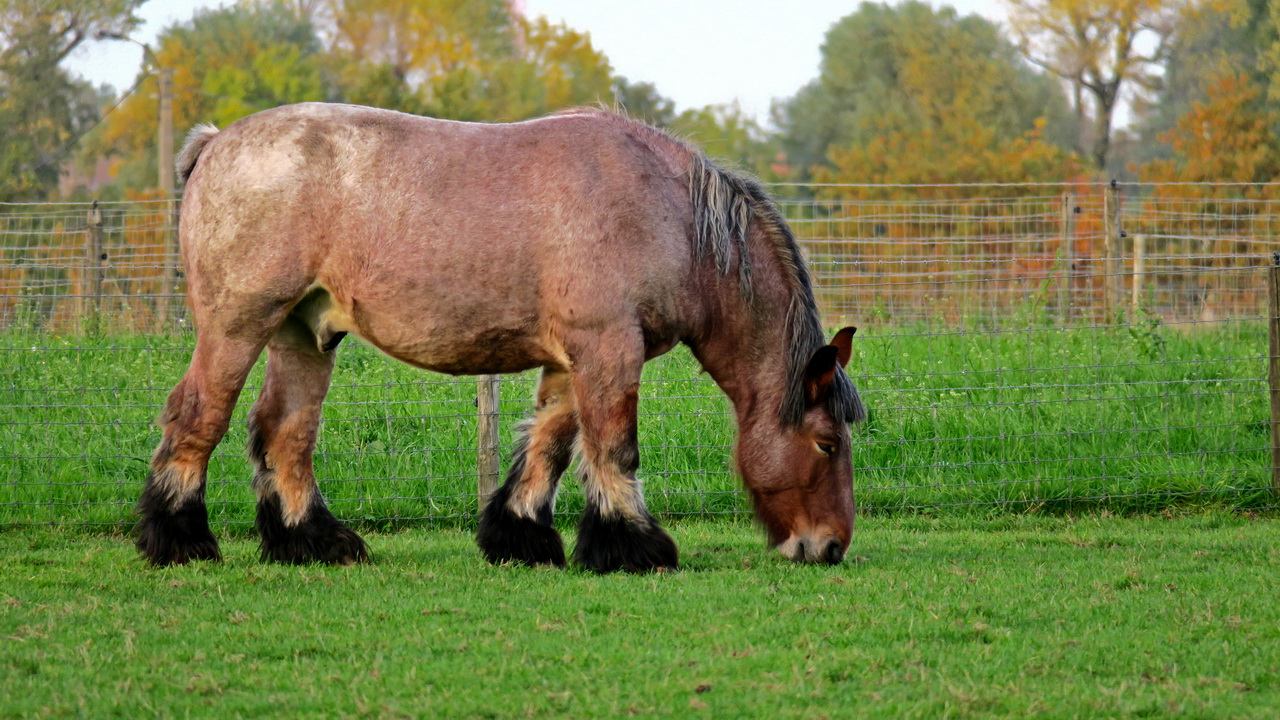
[(199, 136)]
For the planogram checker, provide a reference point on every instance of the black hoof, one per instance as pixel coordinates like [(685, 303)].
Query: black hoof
[(506, 537), (320, 538), (610, 544), (174, 537)]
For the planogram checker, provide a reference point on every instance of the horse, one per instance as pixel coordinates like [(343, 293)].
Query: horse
[(583, 243)]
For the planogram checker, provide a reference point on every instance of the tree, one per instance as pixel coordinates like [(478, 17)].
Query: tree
[(910, 68), (727, 134), (961, 151), (1231, 137), (462, 60), (42, 109), (1267, 38), (1214, 40), (1096, 46), (420, 56), (46, 31), (553, 67), (642, 101), (227, 63)]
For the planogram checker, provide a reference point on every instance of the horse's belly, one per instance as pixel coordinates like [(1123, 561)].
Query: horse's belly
[(467, 344), (492, 351)]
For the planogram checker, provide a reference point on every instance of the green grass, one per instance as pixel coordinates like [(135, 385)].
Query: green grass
[(1031, 417), (959, 618)]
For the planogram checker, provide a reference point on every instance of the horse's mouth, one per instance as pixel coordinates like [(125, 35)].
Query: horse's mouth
[(826, 550)]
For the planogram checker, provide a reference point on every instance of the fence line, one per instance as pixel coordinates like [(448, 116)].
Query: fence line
[(1035, 347)]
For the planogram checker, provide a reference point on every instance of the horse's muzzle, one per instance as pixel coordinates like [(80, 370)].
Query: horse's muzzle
[(805, 549)]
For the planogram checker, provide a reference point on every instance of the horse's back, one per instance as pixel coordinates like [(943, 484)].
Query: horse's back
[(373, 171)]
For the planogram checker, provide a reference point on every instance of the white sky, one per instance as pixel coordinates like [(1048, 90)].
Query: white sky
[(697, 52)]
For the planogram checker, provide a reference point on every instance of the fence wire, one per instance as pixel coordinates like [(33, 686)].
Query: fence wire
[(1032, 347)]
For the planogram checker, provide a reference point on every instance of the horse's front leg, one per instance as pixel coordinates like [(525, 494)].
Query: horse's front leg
[(515, 523), (616, 532)]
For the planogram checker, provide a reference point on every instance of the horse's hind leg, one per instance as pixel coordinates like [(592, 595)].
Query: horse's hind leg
[(515, 524), (295, 524), (616, 532), (174, 523)]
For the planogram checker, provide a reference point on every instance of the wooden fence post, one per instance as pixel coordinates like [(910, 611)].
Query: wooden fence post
[(1111, 281), (1139, 268), (91, 281), (1273, 365), (1067, 248), (166, 307), (487, 466)]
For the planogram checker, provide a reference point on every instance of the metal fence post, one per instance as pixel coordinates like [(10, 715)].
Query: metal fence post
[(1273, 364), (487, 467), (91, 282)]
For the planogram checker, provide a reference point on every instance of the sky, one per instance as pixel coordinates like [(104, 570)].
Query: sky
[(696, 52)]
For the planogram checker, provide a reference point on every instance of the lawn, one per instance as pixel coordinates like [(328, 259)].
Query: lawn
[(1026, 415), (960, 617)]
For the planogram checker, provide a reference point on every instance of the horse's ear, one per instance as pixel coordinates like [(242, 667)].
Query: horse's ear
[(844, 343), (822, 368)]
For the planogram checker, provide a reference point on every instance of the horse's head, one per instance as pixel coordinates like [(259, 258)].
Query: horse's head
[(800, 476)]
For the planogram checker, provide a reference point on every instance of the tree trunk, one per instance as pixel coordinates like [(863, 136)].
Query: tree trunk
[(1105, 101)]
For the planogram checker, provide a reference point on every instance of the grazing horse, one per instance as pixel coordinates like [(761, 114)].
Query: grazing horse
[(582, 243)]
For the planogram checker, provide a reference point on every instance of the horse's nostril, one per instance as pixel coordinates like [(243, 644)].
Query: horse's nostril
[(800, 553), (833, 553)]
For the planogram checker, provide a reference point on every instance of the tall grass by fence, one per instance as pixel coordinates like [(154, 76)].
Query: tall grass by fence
[(1035, 347)]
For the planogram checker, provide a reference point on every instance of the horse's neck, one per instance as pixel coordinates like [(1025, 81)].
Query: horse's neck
[(744, 349)]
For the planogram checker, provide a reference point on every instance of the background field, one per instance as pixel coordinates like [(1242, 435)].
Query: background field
[(957, 618)]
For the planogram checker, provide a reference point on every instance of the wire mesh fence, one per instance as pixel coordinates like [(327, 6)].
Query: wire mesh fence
[(1042, 348)]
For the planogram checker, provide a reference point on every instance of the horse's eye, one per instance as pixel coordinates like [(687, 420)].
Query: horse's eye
[(826, 448)]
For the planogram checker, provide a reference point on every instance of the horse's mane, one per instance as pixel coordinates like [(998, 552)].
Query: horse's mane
[(725, 203)]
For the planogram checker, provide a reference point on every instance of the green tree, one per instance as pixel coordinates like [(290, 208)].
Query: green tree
[(461, 59), (227, 63), (42, 108), (727, 134), (553, 67), (910, 68), (420, 56), (642, 101)]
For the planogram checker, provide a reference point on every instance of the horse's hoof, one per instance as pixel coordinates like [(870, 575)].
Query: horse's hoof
[(635, 545), (174, 537), (320, 538), (163, 547), (505, 537)]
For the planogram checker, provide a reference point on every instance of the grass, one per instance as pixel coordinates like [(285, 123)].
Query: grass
[(1134, 418), (1009, 616)]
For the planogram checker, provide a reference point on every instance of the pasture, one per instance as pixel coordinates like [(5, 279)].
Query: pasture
[(1032, 417), (1057, 520), (960, 617)]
